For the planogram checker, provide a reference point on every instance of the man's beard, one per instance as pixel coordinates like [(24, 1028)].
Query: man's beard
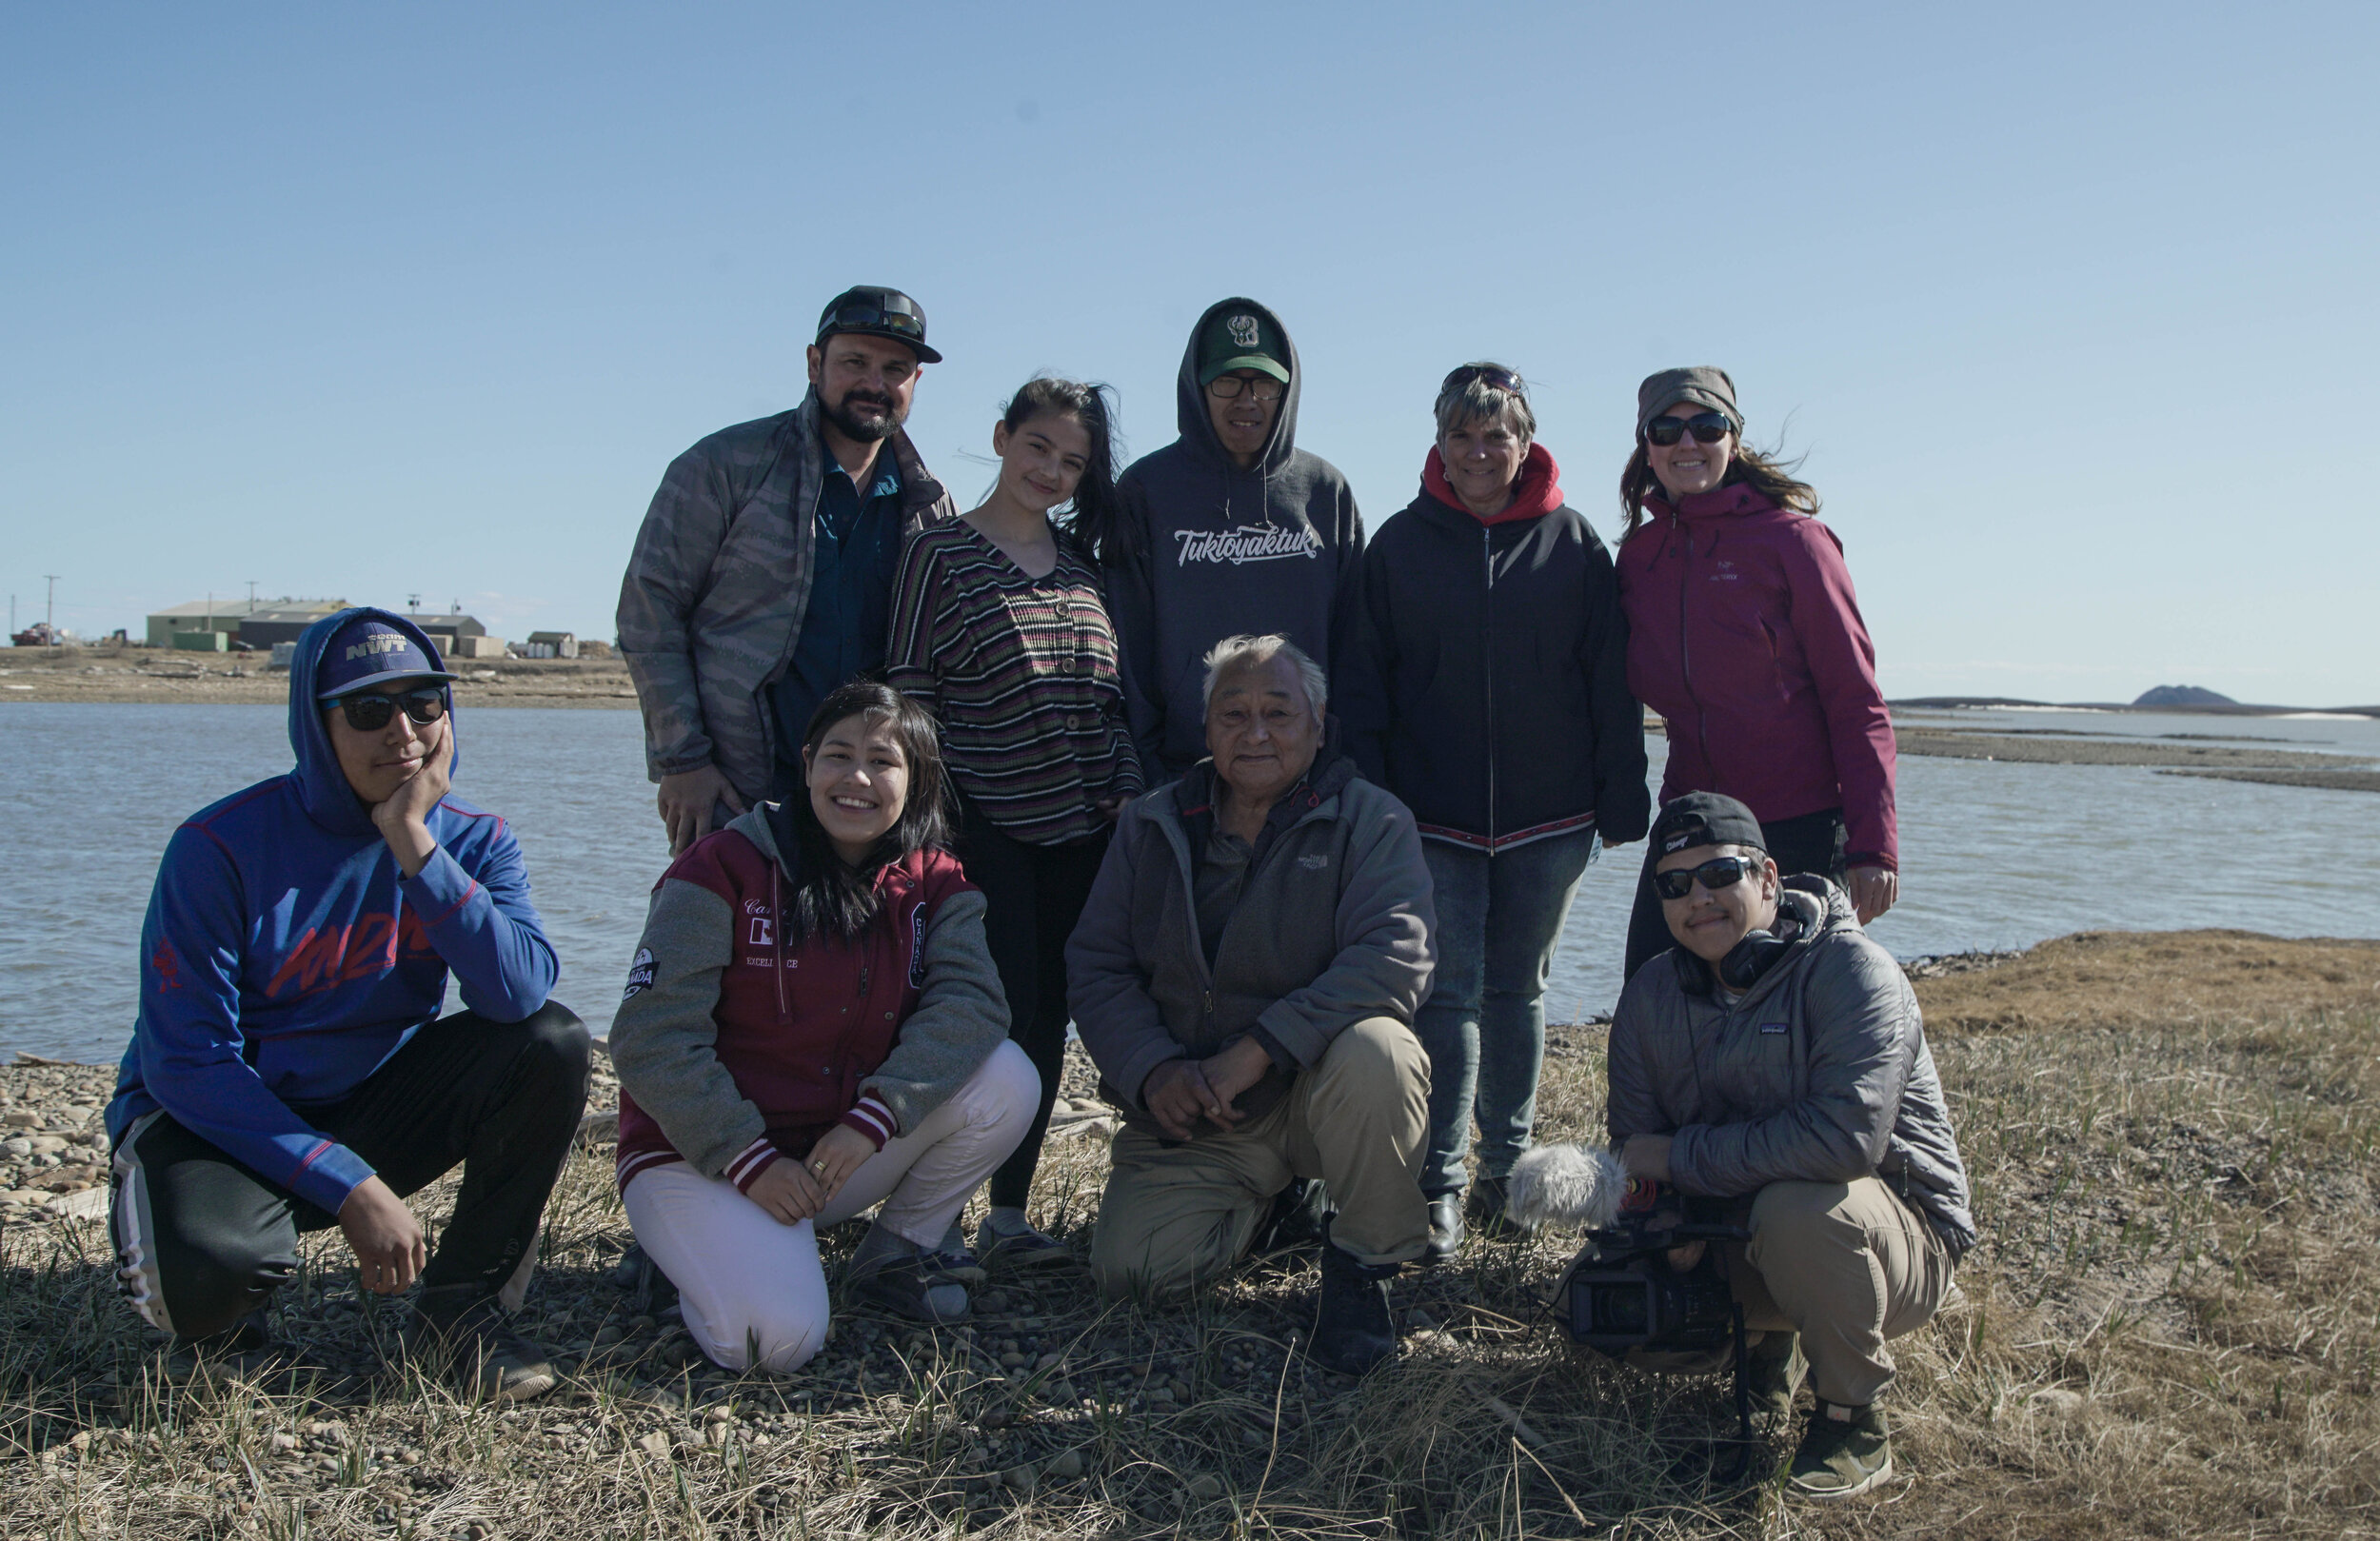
[(866, 430)]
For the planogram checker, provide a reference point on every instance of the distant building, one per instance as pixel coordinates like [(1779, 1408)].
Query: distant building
[(551, 645), (458, 636), (229, 615), (265, 628)]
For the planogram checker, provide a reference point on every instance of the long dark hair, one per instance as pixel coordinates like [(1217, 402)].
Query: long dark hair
[(1097, 509), (831, 898), (1764, 470)]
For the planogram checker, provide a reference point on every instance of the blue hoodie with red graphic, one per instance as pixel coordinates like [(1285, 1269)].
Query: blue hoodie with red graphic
[(286, 958)]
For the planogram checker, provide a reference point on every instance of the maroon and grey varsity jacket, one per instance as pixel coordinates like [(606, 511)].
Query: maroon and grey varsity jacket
[(734, 1047)]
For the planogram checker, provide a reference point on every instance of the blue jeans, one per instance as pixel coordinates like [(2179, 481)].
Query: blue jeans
[(1498, 917)]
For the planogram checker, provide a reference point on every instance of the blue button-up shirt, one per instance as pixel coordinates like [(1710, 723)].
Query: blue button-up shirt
[(855, 556)]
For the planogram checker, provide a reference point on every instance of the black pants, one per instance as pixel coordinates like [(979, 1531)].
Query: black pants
[(201, 1240), (1808, 842), (1034, 895)]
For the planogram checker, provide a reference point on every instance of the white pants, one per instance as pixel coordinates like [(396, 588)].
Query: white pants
[(751, 1287)]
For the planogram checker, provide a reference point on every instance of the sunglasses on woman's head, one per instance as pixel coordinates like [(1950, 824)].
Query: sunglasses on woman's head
[(1487, 373), (1707, 427), (1716, 874), (368, 711)]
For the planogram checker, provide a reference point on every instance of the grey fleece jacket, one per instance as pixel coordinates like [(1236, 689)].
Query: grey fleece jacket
[(1333, 925), (1206, 550), (717, 585), (1819, 1073), (708, 1049)]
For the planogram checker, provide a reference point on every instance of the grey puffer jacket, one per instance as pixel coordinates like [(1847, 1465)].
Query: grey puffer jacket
[(719, 583), (1333, 925), (1819, 1073)]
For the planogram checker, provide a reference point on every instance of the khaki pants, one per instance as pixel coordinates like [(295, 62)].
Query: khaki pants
[(1846, 1265), (1174, 1217)]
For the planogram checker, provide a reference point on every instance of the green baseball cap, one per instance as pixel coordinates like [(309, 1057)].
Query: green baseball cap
[(1238, 339)]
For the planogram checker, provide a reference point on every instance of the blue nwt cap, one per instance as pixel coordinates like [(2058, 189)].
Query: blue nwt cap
[(367, 652)]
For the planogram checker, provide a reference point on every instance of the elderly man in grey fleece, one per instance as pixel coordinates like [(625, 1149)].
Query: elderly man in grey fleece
[(1774, 1062), (1245, 976)]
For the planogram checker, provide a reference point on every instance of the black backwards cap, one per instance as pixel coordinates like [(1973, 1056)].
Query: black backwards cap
[(1705, 818)]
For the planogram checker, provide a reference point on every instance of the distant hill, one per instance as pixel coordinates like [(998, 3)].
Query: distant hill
[(2183, 696)]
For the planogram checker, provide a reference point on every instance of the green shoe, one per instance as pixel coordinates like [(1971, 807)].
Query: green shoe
[(1844, 1457), (1773, 1373)]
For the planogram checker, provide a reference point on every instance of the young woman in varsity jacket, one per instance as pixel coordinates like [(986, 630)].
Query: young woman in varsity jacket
[(813, 1026), (1000, 625)]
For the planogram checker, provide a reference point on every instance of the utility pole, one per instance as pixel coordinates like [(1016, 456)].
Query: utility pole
[(251, 596), (54, 607)]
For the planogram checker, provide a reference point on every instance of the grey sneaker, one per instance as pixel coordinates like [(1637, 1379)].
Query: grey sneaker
[(906, 1286), (1772, 1375), (475, 1340), (1842, 1457), (1023, 1251)]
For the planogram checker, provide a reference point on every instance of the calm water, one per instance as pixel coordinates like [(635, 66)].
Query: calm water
[(1993, 854)]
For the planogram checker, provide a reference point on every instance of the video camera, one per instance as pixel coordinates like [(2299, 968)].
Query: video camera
[(1621, 1294)]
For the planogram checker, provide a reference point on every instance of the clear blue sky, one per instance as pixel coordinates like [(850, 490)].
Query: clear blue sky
[(2070, 309)]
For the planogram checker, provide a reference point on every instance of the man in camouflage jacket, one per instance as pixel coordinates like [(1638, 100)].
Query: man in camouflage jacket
[(718, 623)]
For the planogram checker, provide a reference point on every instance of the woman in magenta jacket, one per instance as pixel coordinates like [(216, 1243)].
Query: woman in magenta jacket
[(1744, 634)]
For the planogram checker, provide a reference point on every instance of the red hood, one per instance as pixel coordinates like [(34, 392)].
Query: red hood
[(1538, 492)]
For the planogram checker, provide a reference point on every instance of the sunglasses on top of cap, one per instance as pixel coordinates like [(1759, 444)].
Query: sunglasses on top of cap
[(1707, 427), (859, 317), (368, 711), (1716, 874)]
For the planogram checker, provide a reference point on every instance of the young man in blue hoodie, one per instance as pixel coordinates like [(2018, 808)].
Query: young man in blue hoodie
[(1231, 529), (290, 1071)]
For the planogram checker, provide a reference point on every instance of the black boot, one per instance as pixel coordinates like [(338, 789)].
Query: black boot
[(1446, 1228), (1352, 1329), (1300, 1221)]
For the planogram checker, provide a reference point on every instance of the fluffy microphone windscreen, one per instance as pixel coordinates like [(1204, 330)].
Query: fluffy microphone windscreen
[(1566, 1185)]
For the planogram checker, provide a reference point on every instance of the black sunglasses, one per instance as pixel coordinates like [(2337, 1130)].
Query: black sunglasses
[(1716, 874), (368, 711), (1707, 427), (863, 317), (1500, 378)]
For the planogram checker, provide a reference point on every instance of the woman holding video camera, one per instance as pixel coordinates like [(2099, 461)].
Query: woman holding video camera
[(1744, 634)]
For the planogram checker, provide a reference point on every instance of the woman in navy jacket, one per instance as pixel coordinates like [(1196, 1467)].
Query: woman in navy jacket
[(1492, 697)]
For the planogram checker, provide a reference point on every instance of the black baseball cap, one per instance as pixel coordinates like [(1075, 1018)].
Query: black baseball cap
[(878, 312), (1705, 818)]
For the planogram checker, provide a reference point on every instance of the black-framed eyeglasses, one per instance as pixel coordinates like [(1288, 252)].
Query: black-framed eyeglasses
[(368, 711), (1492, 374), (1716, 874), (869, 317), (1707, 427), (1260, 389)]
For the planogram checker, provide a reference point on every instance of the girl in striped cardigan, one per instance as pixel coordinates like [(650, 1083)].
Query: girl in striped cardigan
[(1000, 626)]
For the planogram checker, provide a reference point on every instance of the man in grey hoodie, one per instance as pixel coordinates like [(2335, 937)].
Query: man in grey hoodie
[(1231, 529), (1773, 1063)]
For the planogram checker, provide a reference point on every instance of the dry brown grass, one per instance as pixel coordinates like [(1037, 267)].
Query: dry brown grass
[(2169, 1330)]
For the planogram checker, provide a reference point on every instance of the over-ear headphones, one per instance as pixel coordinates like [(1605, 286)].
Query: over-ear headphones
[(1757, 953)]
